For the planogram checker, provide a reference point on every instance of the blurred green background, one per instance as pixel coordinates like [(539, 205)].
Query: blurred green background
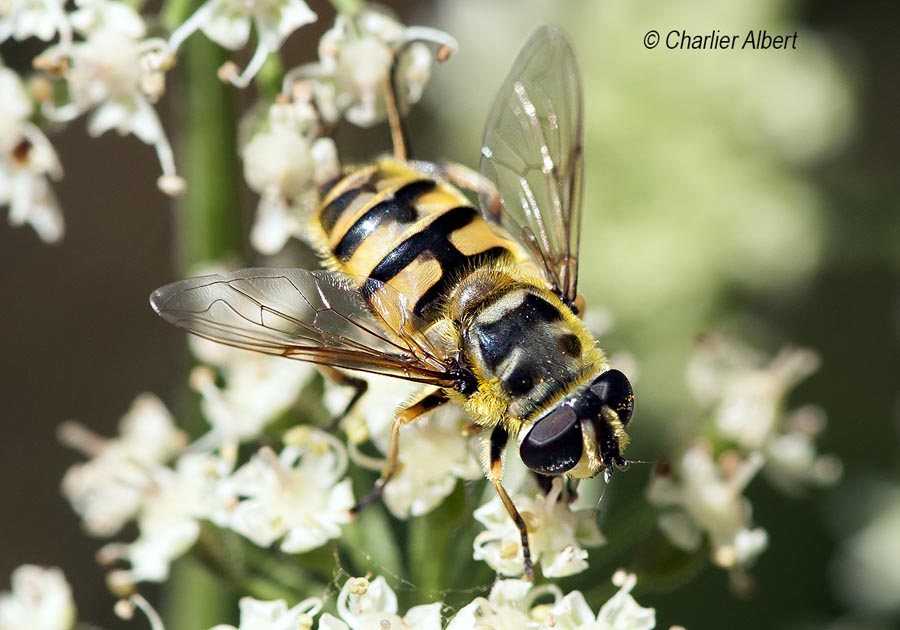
[(755, 192)]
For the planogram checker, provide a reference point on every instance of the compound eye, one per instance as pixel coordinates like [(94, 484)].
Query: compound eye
[(614, 390), (554, 444)]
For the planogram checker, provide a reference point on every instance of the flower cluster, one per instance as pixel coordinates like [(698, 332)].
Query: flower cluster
[(299, 498), (557, 533), (40, 598), (111, 71), (371, 604), (106, 66), (286, 158), (241, 391), (434, 452), (227, 23), (750, 430), (285, 162), (27, 161), (356, 57)]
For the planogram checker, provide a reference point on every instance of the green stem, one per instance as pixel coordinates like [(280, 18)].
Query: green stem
[(195, 598), (270, 76), (174, 12), (350, 7), (429, 542), (371, 543), (210, 225), (208, 228)]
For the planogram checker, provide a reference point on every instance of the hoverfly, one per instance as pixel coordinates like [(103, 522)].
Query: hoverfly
[(481, 307)]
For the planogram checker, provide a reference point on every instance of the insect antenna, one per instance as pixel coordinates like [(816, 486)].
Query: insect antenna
[(608, 474)]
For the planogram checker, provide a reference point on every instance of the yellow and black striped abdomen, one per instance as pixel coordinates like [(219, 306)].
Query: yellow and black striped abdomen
[(393, 223)]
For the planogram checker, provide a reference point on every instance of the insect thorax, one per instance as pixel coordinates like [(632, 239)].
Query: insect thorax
[(526, 346)]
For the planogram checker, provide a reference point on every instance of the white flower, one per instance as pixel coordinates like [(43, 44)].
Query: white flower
[(748, 401), (256, 389), (108, 490), (40, 598), (621, 612), (708, 497), (169, 516), (92, 15), (557, 535), (285, 164), (26, 161), (866, 569), (298, 497), (21, 19), (511, 605), (118, 75), (747, 396), (791, 458), (508, 607), (434, 451), (355, 58), (372, 605), (227, 22), (274, 615)]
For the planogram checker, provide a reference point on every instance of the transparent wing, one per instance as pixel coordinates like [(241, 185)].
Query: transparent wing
[(316, 316), (532, 152)]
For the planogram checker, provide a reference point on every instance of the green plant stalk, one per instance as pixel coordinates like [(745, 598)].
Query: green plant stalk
[(270, 77), (209, 219), (371, 542), (208, 228), (350, 7), (429, 541)]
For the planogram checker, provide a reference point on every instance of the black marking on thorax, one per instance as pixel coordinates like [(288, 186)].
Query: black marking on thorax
[(499, 338), (398, 208), (528, 346)]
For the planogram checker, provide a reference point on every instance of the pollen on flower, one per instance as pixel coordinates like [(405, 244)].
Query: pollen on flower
[(125, 609), (509, 549), (118, 582), (357, 586), (228, 72), (172, 185), (301, 435), (40, 88)]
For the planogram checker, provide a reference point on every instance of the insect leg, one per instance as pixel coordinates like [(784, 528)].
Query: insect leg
[(446, 45), (497, 446), (343, 379), (468, 179), (410, 413), (391, 101)]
